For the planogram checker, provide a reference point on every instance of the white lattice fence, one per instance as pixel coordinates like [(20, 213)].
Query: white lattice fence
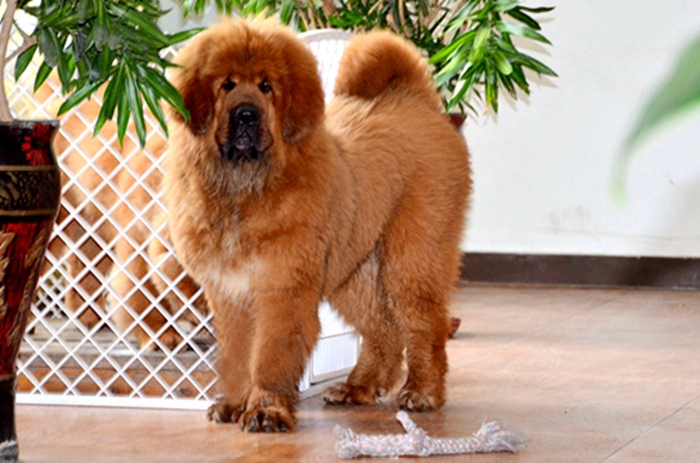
[(110, 327)]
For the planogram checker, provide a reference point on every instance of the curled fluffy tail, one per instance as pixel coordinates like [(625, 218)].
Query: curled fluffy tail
[(380, 62)]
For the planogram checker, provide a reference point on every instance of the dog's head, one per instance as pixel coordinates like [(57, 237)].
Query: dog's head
[(248, 86)]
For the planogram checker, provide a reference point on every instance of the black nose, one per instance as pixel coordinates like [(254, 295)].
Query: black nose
[(246, 115)]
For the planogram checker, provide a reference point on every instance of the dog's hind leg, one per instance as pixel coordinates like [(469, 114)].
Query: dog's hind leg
[(419, 268), (361, 302)]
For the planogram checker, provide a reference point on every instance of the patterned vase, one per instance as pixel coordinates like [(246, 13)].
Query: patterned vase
[(30, 190)]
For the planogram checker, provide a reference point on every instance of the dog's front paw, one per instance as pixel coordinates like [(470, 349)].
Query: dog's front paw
[(270, 413), (419, 400), (221, 412), (348, 394)]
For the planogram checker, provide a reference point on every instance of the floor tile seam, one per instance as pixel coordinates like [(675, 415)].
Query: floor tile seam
[(651, 428)]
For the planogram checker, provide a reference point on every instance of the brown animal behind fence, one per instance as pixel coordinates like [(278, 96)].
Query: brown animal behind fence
[(107, 221)]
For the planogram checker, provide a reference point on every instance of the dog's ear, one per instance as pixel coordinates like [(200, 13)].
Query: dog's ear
[(198, 96), (304, 104)]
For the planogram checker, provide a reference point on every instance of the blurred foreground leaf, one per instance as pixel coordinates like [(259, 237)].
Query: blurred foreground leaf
[(677, 96)]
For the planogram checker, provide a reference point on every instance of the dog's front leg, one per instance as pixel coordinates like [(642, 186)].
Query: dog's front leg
[(233, 324), (286, 329)]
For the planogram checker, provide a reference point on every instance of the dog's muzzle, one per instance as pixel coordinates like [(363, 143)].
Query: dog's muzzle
[(244, 135)]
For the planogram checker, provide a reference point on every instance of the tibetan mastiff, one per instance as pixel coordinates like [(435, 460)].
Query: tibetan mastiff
[(276, 202)]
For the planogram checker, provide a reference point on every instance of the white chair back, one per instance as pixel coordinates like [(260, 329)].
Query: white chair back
[(327, 45)]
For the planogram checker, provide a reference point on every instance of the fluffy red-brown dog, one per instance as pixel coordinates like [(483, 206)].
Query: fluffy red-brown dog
[(274, 206)]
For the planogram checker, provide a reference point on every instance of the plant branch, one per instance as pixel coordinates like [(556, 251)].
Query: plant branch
[(5, 32), (27, 41)]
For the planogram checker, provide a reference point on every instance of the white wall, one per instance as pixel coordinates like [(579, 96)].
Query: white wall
[(542, 168)]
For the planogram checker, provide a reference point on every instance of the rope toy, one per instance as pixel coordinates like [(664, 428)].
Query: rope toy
[(416, 442)]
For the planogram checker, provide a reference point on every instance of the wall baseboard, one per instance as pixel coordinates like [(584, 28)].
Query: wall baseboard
[(574, 270)]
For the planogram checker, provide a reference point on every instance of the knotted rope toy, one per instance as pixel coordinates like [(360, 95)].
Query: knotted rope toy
[(416, 442)]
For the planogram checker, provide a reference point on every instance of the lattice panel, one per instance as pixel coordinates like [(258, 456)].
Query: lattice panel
[(110, 326)]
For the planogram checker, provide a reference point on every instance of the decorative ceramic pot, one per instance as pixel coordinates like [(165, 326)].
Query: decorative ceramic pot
[(30, 191)]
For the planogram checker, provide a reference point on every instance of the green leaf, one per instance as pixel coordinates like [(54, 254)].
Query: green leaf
[(480, 43), (541, 9), (49, 46), (196, 6), (456, 64), (103, 64), (78, 44), (66, 68), (507, 83), (50, 13), (122, 117), (505, 5), (84, 10), (521, 31), (502, 63), (110, 97), (147, 29), (41, 75), (461, 17), (101, 35), (524, 18), (23, 60), (535, 65), (77, 97), (287, 8), (153, 105), (452, 47), (165, 90), (678, 94), (183, 36), (484, 12), (491, 87), (465, 83), (135, 108), (519, 78)]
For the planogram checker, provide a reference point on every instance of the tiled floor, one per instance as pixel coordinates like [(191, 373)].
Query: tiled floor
[(586, 375)]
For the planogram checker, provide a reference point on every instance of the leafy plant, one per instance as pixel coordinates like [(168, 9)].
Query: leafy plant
[(95, 43), (676, 96), (482, 52), (469, 42), (117, 45)]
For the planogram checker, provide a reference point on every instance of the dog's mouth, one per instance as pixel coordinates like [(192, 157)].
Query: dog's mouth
[(244, 141)]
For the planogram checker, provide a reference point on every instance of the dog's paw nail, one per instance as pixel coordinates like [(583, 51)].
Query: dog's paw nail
[(268, 424), (254, 423)]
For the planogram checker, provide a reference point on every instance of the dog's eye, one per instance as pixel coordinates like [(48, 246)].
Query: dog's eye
[(265, 86), (228, 85)]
